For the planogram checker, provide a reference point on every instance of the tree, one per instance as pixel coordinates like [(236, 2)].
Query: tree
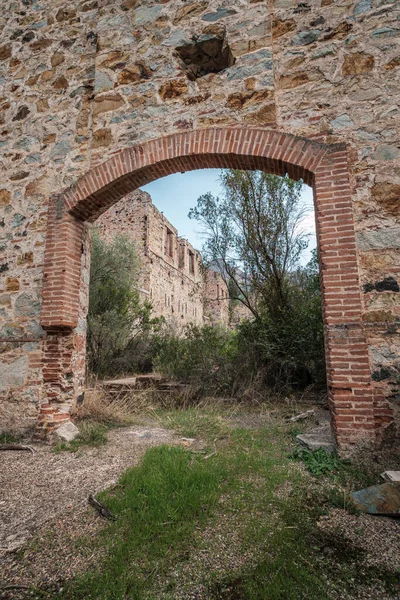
[(116, 316), (253, 235)]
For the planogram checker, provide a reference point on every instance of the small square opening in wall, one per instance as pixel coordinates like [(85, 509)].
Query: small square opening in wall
[(206, 53)]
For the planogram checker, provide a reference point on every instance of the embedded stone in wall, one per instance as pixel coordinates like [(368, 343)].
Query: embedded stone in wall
[(173, 89), (388, 196), (357, 63), (13, 374), (5, 197)]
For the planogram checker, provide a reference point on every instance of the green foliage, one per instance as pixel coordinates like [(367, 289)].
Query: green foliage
[(319, 462), (245, 501), (90, 434), (157, 505), (119, 338), (287, 349), (263, 353), (202, 356), (7, 437), (253, 234)]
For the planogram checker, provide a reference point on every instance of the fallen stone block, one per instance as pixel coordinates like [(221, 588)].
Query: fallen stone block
[(320, 437), (382, 499), (66, 432), (391, 476)]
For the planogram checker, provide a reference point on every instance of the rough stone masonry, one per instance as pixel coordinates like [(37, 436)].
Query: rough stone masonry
[(172, 276), (98, 98)]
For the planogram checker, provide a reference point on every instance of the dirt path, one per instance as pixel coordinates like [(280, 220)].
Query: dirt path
[(35, 488)]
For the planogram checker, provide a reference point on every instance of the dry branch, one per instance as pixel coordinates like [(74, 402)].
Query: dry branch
[(17, 447)]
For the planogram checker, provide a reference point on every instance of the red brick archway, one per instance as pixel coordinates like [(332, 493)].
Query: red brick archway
[(324, 167)]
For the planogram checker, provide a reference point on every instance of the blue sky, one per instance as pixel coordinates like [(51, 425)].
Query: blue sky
[(176, 194)]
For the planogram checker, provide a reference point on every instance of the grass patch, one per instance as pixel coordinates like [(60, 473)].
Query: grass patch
[(241, 524), (319, 462), (158, 505), (7, 437), (90, 434)]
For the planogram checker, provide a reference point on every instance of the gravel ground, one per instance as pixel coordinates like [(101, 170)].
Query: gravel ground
[(49, 484), (44, 515)]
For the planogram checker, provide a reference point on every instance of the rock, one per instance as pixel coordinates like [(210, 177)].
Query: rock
[(57, 59), (5, 52), (385, 32), (357, 63), (219, 14), (5, 197), (362, 7), (13, 374), (386, 237), (383, 499), (17, 177), (22, 113), (306, 37), (102, 83), (189, 11), (387, 194), (64, 14), (386, 153), (17, 220), (147, 14), (101, 137), (266, 114), (393, 476), (173, 89), (105, 103), (66, 432), (27, 305), (392, 64), (61, 149), (128, 4), (134, 73), (320, 437), (388, 284), (342, 121), (12, 284), (60, 83), (339, 32), (282, 27), (293, 80)]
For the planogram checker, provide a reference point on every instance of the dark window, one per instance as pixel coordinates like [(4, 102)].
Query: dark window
[(170, 243), (191, 261)]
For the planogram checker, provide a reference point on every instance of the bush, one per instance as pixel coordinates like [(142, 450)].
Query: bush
[(203, 356), (119, 338)]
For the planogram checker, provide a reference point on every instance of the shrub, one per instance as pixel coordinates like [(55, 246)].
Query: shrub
[(203, 356), (119, 338)]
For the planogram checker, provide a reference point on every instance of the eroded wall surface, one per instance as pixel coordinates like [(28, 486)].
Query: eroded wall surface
[(171, 275), (82, 81)]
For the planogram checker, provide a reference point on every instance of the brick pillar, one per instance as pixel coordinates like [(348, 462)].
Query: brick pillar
[(350, 389), (64, 302)]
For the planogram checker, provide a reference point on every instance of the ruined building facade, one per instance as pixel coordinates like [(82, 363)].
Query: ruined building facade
[(98, 98), (172, 277)]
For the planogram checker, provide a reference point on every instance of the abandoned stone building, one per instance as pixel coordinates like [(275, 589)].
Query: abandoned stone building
[(172, 277), (98, 98)]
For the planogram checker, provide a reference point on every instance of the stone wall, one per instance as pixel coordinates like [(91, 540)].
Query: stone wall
[(82, 82), (216, 299), (171, 275)]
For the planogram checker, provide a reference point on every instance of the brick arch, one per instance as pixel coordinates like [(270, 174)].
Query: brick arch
[(322, 166)]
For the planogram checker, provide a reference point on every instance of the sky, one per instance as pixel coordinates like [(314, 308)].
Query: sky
[(176, 194)]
